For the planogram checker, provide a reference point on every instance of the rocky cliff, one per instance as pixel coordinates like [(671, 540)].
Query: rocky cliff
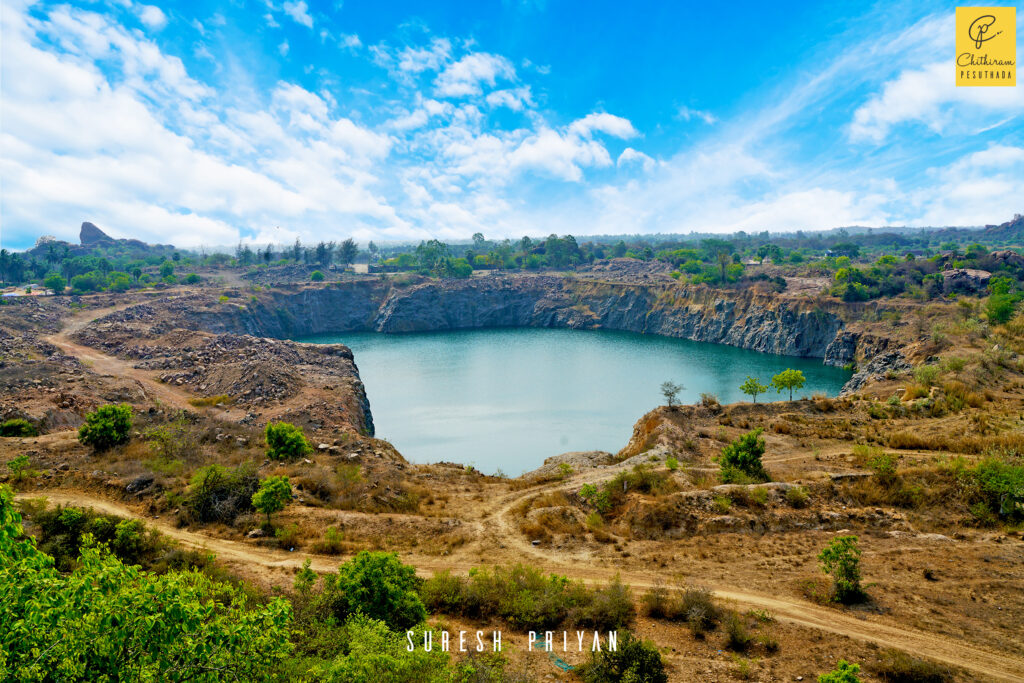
[(788, 325)]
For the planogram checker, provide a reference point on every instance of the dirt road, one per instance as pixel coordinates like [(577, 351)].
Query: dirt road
[(992, 665)]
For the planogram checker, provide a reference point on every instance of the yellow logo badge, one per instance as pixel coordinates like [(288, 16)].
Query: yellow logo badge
[(986, 46)]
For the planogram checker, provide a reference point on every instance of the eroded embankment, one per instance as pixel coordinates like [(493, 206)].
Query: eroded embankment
[(771, 323)]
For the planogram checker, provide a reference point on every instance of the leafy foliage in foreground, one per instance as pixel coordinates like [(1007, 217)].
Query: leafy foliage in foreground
[(108, 621), (634, 661)]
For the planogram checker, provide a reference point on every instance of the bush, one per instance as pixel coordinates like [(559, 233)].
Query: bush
[(107, 427), (106, 619), (997, 485), (633, 661), (525, 597), (743, 457), (370, 651), (20, 470), (671, 463), (840, 559), (797, 497), (192, 279), (899, 667), (843, 673), (376, 584), (285, 441), (316, 276), (18, 427), (689, 604), (220, 494), (737, 637), (55, 282), (273, 494)]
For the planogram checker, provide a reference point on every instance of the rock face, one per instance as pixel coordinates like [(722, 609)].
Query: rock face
[(748, 320), (92, 236), (965, 280)]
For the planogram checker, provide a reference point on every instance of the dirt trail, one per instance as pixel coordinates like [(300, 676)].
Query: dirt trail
[(104, 364), (992, 665)]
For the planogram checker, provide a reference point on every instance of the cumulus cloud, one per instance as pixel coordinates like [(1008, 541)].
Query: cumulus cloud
[(688, 114), (299, 12), (930, 97), (152, 16), (631, 157), (467, 75)]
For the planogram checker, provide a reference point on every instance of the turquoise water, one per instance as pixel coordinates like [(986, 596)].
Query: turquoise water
[(509, 398)]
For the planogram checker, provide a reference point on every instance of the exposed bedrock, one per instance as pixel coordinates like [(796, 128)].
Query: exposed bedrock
[(770, 323)]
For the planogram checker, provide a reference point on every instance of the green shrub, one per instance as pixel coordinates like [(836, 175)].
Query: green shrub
[(743, 457), (18, 427), (633, 661), (55, 282), (692, 605), (20, 471), (843, 673), (797, 496), (219, 494), (997, 485), (375, 584), (840, 559), (525, 597), (192, 279), (272, 496), (737, 637), (370, 652), (106, 619), (107, 427), (285, 441), (316, 276), (671, 463)]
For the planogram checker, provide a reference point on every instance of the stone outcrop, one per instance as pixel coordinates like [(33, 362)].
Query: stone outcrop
[(965, 280), (91, 236)]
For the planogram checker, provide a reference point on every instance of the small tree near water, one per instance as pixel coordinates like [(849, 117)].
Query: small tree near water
[(752, 387), (788, 379), (670, 390)]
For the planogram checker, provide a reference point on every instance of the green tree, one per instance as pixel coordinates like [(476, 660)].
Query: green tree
[(370, 652), (55, 282), (788, 379), (840, 559), (316, 276), (285, 441), (108, 621), (742, 458), (347, 252), (376, 584), (752, 387), (192, 279), (166, 268), (107, 426), (633, 661), (670, 390), (845, 672), (273, 495)]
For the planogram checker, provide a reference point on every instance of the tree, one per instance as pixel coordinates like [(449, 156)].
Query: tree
[(752, 387), (788, 379), (369, 651), (274, 493), (108, 621), (670, 390), (376, 584), (107, 426), (347, 252), (166, 268), (55, 282), (285, 441), (742, 459), (840, 559), (845, 672), (479, 241), (633, 661), (316, 276)]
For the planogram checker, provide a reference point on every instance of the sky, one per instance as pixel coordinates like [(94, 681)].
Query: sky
[(209, 123)]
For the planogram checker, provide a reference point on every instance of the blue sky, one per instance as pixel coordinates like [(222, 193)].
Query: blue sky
[(204, 123)]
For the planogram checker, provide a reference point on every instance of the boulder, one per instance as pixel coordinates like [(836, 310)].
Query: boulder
[(965, 280)]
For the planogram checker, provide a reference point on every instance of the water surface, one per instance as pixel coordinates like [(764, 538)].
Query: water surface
[(509, 398)]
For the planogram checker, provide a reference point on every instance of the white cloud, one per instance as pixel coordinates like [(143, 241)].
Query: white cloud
[(515, 99), (284, 48), (152, 16), (299, 12), (465, 76), (416, 60), (631, 157), (350, 41), (603, 123), (688, 114), (930, 97)]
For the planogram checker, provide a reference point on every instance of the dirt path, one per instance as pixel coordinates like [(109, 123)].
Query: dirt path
[(104, 364), (992, 665)]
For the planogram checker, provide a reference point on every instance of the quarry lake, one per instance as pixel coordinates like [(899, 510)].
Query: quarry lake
[(509, 398)]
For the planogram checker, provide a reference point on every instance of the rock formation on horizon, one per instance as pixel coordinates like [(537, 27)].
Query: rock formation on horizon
[(92, 236)]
